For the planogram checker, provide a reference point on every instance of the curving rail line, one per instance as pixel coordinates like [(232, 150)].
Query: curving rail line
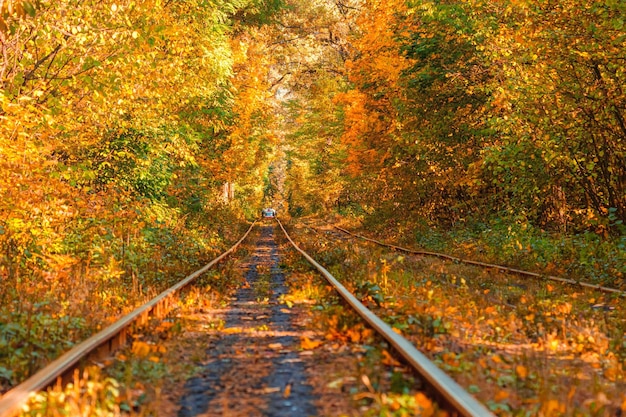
[(486, 265), (449, 391), (101, 343)]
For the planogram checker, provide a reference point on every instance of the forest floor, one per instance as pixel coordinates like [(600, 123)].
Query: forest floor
[(522, 346)]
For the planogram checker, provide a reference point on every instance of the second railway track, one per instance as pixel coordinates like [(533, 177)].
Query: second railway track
[(525, 346)]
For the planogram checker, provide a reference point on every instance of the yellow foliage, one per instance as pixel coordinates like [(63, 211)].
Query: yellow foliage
[(308, 344), (140, 349)]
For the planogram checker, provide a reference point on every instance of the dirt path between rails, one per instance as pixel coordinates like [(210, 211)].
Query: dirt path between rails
[(246, 359), (255, 370)]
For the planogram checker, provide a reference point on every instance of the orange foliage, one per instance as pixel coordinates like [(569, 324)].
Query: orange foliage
[(251, 105), (370, 122)]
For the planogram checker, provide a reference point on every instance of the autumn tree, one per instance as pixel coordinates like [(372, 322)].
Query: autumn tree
[(559, 105), (460, 110), (118, 122)]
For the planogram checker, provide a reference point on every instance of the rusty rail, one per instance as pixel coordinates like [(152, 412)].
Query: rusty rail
[(486, 265), (103, 342)]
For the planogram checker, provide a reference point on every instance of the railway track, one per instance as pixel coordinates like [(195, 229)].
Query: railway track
[(453, 395), (276, 340), (503, 268)]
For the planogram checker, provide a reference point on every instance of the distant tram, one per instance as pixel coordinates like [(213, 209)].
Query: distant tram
[(268, 212)]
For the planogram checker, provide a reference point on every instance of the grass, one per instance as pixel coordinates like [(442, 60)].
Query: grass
[(526, 347), (588, 256)]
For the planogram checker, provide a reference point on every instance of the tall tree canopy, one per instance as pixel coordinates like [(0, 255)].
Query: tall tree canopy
[(139, 111), (470, 108), (119, 122)]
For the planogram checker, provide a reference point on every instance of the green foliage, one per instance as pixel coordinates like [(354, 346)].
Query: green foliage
[(555, 107), (93, 394), (29, 339), (515, 242), (369, 291), (314, 162), (260, 12), (512, 112), (130, 161)]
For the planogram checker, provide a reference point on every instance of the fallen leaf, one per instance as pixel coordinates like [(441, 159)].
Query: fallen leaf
[(164, 326), (366, 334), (553, 406), (611, 374), (354, 335), (395, 405), (601, 398), (424, 403), (232, 330), (367, 383), (338, 383), (140, 349), (388, 359), (308, 344), (501, 395)]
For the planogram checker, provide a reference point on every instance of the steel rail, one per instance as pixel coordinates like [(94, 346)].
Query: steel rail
[(487, 265), (451, 392), (103, 342)]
